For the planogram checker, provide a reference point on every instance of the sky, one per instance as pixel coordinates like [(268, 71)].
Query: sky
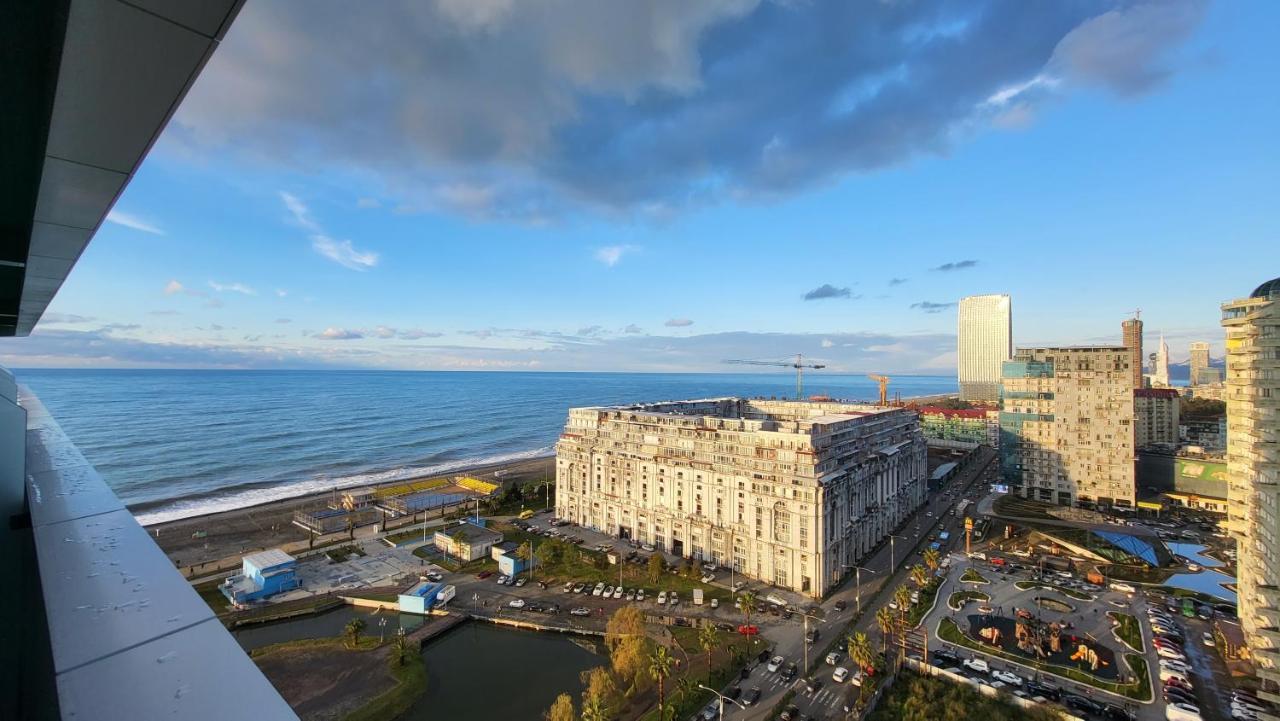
[(661, 186)]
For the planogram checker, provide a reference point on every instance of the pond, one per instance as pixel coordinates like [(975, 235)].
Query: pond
[(321, 625), (479, 670), (1193, 551)]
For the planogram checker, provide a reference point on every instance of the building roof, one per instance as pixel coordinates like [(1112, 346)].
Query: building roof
[(471, 533), (1270, 289), (1155, 392), (953, 412), (267, 559), (942, 470)]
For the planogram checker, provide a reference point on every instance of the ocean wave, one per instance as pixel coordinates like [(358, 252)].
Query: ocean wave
[(189, 507)]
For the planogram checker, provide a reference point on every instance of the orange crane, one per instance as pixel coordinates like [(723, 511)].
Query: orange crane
[(798, 364), (884, 387)]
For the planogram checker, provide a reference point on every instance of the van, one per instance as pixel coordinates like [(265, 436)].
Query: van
[(526, 515)]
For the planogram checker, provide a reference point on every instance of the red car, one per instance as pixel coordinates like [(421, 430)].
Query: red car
[(484, 574), (749, 630)]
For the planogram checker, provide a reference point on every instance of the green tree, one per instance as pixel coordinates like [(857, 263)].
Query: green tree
[(600, 697), (919, 575), (353, 630), (351, 528), (932, 559), (748, 602), (884, 619), (561, 709), (902, 597), (708, 639), (657, 564), (399, 653), (860, 651), (659, 669)]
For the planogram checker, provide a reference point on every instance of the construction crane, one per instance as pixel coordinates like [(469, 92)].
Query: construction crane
[(798, 364), (884, 387)]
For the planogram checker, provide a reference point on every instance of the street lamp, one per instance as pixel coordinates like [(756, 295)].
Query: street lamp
[(892, 565), (722, 698), (806, 639), (382, 630), (857, 575)]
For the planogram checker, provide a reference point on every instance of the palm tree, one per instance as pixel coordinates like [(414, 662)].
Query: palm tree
[(932, 559), (884, 618), (353, 630), (708, 639), (748, 600), (919, 575), (595, 709), (860, 650), (660, 668)]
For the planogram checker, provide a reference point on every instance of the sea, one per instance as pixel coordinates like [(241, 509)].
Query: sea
[(180, 443)]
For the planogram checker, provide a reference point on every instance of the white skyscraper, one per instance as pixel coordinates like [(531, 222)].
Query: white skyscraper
[(1160, 373), (984, 341)]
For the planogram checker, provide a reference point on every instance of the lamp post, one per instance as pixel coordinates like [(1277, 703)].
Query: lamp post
[(857, 575), (893, 566), (806, 639), (722, 698), (382, 630)]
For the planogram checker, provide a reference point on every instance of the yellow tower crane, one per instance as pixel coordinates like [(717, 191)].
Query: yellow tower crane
[(884, 387)]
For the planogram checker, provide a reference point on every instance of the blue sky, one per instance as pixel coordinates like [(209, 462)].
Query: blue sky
[(493, 185)]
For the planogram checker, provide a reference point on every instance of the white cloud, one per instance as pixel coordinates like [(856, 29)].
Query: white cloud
[(678, 323), (343, 253), (281, 293), (368, 203), (133, 221), (611, 254), (827, 343), (332, 333), (232, 288), (301, 213), (383, 331), (173, 287)]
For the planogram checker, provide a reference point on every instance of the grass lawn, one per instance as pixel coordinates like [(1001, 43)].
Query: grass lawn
[(972, 576), (1069, 592), (407, 536), (367, 643), (212, 596), (960, 598), (1139, 690), (1127, 630), (411, 682), (927, 596)]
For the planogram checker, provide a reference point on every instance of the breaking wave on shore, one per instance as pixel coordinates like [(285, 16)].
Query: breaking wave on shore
[(247, 497)]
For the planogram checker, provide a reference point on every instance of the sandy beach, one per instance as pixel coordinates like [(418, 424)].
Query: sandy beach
[(243, 530)]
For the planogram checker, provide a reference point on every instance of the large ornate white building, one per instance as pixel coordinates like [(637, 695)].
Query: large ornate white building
[(791, 493)]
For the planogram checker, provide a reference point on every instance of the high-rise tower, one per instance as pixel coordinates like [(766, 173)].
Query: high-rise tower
[(1132, 330), (1160, 369), (1199, 363), (984, 341), (1253, 471)]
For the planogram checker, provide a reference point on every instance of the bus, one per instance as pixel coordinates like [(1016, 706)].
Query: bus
[(960, 507)]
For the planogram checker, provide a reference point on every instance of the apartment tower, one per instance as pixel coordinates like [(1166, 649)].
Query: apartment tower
[(790, 493), (1132, 330), (984, 340), (1067, 425), (1253, 471), (1200, 373)]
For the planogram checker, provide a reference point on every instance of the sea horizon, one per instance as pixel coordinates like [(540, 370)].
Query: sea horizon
[(176, 443)]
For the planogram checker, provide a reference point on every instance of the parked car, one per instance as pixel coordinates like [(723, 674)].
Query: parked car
[(977, 664), (840, 606), (789, 671), (1207, 639), (617, 592), (708, 578), (433, 576), (1012, 679), (1053, 693), (521, 581), (673, 599), (579, 587), (1082, 704), (580, 611), (516, 603), (751, 697), (599, 589), (833, 658), (607, 592), (662, 598), (715, 603), (840, 674), (774, 664), (1182, 712), (640, 595)]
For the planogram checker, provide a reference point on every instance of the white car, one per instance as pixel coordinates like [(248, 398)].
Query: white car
[(673, 599), (568, 586), (640, 595), (978, 555), (662, 598), (599, 589), (1166, 652), (709, 578), (1207, 639), (617, 592), (1182, 712), (774, 663), (1117, 586), (1178, 666), (516, 603), (977, 664), (1012, 679), (580, 611), (833, 658), (840, 674), (607, 592), (715, 603), (502, 580)]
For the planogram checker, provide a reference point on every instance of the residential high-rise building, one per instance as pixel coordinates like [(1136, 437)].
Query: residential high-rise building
[(1160, 367), (1066, 425), (1200, 371), (984, 340), (1253, 471), (1132, 330), (791, 493), (1156, 415)]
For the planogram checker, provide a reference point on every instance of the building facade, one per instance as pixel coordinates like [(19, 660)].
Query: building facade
[(1160, 365), (1199, 363), (963, 429), (791, 493), (1066, 425), (984, 340), (1253, 470), (1156, 416), (1132, 331)]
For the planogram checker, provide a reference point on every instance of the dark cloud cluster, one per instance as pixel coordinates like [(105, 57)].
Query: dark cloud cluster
[(522, 110), (957, 265), (929, 307), (897, 281), (826, 290)]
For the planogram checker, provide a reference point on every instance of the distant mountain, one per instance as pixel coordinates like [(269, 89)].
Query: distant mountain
[(1182, 371)]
